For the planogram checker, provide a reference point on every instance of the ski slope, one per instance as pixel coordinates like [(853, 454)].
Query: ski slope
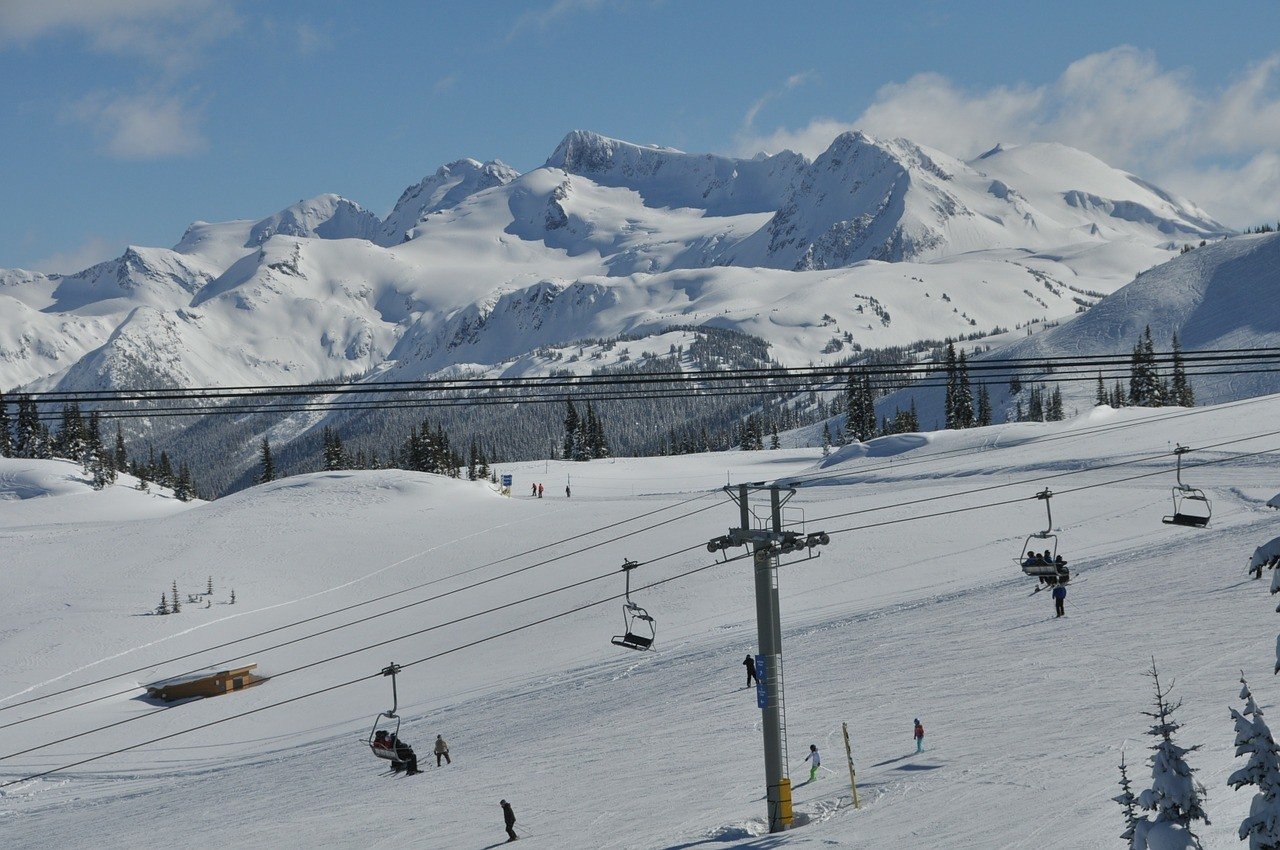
[(1026, 717)]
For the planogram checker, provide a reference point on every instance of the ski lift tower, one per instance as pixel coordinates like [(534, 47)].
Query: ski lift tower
[(768, 543)]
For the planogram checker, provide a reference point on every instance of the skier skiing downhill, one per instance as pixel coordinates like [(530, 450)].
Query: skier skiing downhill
[(509, 818), (750, 664), (816, 761), (919, 736), (1059, 599)]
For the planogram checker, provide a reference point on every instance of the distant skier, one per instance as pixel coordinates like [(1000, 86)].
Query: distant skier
[(919, 736), (1059, 599), (750, 664), (568, 494), (509, 818), (442, 749), (534, 491), (816, 761), (539, 491)]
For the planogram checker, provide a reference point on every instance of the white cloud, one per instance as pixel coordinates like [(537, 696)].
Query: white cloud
[(93, 250), (171, 34), (1220, 147), (792, 82), (142, 126), (543, 17), (444, 84)]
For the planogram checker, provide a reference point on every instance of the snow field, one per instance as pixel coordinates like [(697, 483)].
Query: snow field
[(597, 747)]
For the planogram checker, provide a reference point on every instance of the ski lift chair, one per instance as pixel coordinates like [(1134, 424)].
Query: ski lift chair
[(1050, 568), (1191, 507), (391, 726), (639, 629)]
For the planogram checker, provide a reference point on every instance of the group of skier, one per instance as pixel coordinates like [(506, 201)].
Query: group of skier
[(535, 491), (405, 758), (814, 759)]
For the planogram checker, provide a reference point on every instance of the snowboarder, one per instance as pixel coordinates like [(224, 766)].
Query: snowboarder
[(919, 736), (509, 818), (442, 749), (405, 755), (750, 664), (816, 761), (568, 494), (1059, 599), (539, 491)]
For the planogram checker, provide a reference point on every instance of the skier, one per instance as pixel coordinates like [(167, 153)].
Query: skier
[(568, 494), (539, 491), (750, 664), (442, 749), (816, 759), (405, 755), (919, 736), (1059, 599), (534, 491), (509, 818)]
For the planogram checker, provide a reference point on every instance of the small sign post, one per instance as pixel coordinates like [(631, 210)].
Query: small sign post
[(848, 751), (762, 690), (506, 485)]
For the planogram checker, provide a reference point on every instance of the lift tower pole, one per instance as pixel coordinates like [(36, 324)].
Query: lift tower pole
[(769, 629), (766, 545)]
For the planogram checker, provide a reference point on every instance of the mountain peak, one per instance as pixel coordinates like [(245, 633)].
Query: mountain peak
[(450, 185), (326, 216)]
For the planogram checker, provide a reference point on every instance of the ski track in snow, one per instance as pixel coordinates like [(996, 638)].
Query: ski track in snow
[(600, 749)]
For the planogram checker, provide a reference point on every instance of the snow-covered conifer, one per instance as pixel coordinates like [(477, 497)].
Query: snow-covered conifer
[(1175, 797), (175, 605), (1262, 826), (267, 471), (1128, 802)]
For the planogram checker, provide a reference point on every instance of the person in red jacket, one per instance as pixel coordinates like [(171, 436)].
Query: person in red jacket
[(919, 735)]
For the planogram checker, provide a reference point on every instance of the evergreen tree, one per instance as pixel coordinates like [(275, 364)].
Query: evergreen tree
[(860, 406), (1118, 398), (1018, 414), (473, 461), (32, 438), (267, 465), (69, 438), (1180, 392), (964, 417), (984, 406), (6, 429), (826, 440), (952, 390), (174, 605), (774, 441), (121, 456), (1035, 407), (233, 596), (1128, 802), (164, 471), (208, 588), (1015, 385), (335, 454), (1174, 797), (1053, 411), (163, 607), (1101, 397), (183, 488), (1144, 379), (572, 437), (1253, 737)]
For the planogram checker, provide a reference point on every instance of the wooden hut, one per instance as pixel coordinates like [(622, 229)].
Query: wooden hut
[(204, 683)]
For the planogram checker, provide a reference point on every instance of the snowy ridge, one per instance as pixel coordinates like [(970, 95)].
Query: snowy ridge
[(609, 237)]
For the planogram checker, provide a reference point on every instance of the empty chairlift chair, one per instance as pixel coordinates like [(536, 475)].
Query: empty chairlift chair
[(1191, 507), (639, 629), (1045, 565)]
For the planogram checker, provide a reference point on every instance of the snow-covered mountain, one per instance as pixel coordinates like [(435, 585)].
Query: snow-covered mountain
[(875, 242)]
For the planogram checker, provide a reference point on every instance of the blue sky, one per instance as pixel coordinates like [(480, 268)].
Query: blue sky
[(126, 119)]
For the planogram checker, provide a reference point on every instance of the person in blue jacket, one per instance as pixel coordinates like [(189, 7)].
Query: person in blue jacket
[(1059, 599)]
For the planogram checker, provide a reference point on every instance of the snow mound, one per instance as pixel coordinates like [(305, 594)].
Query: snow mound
[(57, 492)]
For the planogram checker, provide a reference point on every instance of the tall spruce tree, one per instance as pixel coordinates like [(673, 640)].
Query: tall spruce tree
[(953, 388), (121, 455), (572, 433), (964, 417), (1144, 378), (1180, 392), (6, 428), (984, 406), (266, 464), (860, 407), (1100, 396)]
